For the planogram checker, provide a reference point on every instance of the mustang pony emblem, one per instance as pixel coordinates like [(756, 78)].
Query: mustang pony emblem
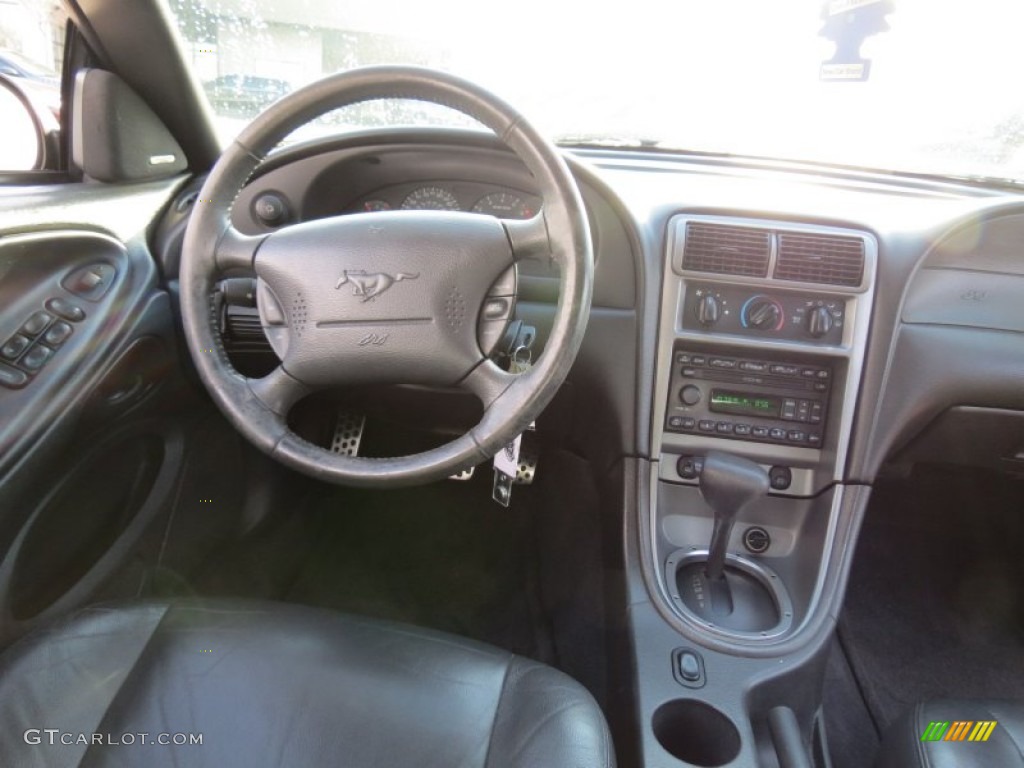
[(370, 285)]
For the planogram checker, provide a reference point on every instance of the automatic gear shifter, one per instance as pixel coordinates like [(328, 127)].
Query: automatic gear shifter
[(728, 484), (716, 589)]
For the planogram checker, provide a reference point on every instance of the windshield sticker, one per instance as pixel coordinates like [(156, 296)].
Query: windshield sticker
[(848, 23)]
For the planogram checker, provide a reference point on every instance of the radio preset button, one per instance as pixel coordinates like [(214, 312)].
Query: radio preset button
[(814, 439), (777, 434), (743, 429), (752, 365), (706, 425), (780, 369), (722, 362), (724, 427), (796, 436), (700, 360)]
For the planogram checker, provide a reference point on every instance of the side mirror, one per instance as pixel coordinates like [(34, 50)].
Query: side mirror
[(28, 130)]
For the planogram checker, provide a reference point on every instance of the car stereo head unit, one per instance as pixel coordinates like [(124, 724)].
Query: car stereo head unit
[(768, 401)]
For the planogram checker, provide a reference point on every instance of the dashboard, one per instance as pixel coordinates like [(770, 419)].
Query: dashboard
[(770, 266), (452, 195)]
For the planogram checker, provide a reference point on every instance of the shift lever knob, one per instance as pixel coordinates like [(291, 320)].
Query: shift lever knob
[(728, 484)]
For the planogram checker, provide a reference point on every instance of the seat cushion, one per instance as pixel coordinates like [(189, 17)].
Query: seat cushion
[(282, 685), (906, 744)]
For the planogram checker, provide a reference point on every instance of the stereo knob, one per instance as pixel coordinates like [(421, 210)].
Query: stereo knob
[(690, 395), (819, 322), (708, 310), (762, 313)]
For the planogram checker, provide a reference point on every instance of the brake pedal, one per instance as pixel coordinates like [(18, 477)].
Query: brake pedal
[(348, 434)]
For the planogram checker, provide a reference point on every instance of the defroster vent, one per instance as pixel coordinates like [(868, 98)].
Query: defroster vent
[(727, 250), (810, 258)]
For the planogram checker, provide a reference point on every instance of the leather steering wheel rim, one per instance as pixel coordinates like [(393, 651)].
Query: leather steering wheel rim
[(258, 407)]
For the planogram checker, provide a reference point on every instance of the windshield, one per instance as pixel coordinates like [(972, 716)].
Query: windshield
[(909, 85)]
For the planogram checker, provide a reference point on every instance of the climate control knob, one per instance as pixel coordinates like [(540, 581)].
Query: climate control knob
[(708, 310), (819, 322), (763, 313)]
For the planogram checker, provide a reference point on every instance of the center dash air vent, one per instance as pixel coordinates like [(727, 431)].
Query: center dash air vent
[(808, 258), (727, 250)]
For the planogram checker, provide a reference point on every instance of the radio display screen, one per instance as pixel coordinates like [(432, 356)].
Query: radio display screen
[(723, 401)]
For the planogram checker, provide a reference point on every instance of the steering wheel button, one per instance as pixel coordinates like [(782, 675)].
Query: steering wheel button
[(58, 333), (37, 323), (66, 309), (12, 378), (14, 347), (495, 309), (36, 357)]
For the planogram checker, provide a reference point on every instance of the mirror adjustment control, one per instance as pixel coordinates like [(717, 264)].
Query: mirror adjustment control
[(90, 282)]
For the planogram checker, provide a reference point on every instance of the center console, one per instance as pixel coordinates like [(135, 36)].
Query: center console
[(762, 333)]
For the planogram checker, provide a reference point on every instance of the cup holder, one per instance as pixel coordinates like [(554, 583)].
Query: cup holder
[(696, 733)]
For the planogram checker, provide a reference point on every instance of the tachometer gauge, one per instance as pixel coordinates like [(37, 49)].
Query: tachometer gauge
[(504, 205), (430, 199), (376, 205)]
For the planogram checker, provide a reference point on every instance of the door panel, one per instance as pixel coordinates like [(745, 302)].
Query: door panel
[(91, 391)]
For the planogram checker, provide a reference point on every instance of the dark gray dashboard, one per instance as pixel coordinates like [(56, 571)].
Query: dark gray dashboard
[(933, 238)]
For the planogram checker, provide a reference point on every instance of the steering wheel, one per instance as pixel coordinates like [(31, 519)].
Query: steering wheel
[(384, 297)]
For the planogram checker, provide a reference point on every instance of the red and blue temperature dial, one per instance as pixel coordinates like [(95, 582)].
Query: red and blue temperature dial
[(762, 313)]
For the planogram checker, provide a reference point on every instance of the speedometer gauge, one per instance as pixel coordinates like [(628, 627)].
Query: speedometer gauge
[(504, 205), (430, 199)]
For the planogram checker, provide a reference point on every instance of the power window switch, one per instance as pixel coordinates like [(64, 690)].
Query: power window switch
[(37, 323), (58, 333), (36, 358), (14, 347)]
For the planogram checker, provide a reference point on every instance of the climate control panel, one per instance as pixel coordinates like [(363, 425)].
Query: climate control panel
[(744, 311)]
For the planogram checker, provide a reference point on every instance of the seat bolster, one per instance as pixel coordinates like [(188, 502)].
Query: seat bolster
[(68, 674), (902, 746), (545, 717)]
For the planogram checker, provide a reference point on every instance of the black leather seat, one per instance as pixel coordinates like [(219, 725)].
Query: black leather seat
[(903, 746), (281, 685)]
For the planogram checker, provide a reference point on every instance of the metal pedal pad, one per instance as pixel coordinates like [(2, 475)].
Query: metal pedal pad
[(464, 475), (528, 458), (348, 433)]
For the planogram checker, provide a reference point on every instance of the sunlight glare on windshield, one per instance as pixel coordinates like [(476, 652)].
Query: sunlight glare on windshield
[(739, 77)]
